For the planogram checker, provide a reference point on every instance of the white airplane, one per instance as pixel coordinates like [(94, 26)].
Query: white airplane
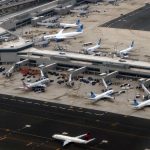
[(40, 83), (69, 139), (139, 105), (92, 49), (125, 52), (61, 36), (96, 97), (67, 25)]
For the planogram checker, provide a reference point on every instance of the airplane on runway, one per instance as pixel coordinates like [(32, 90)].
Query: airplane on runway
[(92, 49), (139, 105), (69, 139), (61, 36), (30, 86), (124, 53), (96, 97), (68, 25)]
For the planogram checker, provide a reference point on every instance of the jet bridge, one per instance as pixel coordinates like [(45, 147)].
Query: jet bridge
[(73, 73), (107, 77), (17, 65), (49, 67), (144, 84), (111, 75)]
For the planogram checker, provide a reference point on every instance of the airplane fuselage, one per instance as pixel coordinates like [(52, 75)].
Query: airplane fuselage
[(72, 139), (103, 95), (126, 51), (92, 49), (62, 35), (67, 25), (142, 104), (41, 82)]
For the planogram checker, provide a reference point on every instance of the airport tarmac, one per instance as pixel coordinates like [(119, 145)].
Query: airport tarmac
[(112, 39), (136, 20), (28, 124), (78, 95)]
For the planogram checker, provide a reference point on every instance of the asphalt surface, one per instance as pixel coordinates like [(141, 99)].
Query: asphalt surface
[(136, 20), (28, 124)]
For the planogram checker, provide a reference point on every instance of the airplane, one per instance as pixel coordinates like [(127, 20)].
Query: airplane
[(92, 49), (139, 105), (69, 139), (31, 86), (61, 36), (125, 52), (67, 25), (96, 97)]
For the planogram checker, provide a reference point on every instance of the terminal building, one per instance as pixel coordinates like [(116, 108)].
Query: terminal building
[(95, 64)]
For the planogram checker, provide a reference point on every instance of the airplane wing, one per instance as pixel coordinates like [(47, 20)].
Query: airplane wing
[(80, 136), (107, 96), (60, 32), (66, 142)]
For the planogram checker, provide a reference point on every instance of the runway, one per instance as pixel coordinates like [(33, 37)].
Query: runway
[(29, 124), (136, 20)]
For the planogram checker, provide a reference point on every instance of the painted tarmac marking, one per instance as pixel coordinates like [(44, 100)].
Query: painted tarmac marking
[(88, 112), (21, 101), (30, 143), (53, 106), (3, 138), (36, 103), (62, 108)]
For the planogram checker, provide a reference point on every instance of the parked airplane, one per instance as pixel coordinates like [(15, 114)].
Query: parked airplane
[(40, 83), (96, 97), (67, 25), (92, 49), (140, 105), (125, 52), (69, 139), (61, 36)]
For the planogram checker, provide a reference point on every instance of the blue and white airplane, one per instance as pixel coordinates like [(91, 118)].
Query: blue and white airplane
[(61, 36), (139, 105), (69, 25), (96, 97), (125, 52), (92, 49)]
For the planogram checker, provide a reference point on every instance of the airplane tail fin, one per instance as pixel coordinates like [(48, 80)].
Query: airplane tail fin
[(132, 44), (80, 28), (99, 42), (135, 102), (24, 85), (92, 95), (90, 140), (77, 21)]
